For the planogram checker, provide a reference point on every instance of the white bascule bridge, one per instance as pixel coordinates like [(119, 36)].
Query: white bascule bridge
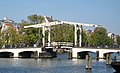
[(48, 24), (75, 50)]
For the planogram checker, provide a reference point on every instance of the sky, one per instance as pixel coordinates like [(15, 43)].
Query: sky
[(101, 12)]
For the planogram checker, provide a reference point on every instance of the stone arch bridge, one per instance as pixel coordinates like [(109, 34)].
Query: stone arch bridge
[(101, 53), (17, 52)]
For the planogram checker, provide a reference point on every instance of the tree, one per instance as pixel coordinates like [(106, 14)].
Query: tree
[(2, 40), (36, 19), (28, 36), (118, 40), (62, 33), (32, 35), (13, 37), (84, 39), (100, 38)]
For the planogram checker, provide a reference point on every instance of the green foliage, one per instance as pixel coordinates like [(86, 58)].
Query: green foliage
[(118, 40), (59, 33), (2, 40), (100, 38), (28, 35), (35, 19), (31, 35), (13, 36), (62, 33), (84, 39)]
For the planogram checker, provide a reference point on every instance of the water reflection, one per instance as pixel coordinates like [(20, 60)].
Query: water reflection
[(88, 71), (55, 65)]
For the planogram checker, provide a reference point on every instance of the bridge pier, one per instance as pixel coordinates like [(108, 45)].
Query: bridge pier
[(36, 54), (101, 55), (74, 53), (16, 55)]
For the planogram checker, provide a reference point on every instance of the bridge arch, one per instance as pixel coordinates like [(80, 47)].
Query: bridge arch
[(26, 54), (99, 52), (82, 54), (6, 54), (105, 53)]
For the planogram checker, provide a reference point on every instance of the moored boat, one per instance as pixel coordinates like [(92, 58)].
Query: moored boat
[(116, 66)]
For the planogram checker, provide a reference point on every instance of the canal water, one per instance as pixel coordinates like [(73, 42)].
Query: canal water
[(56, 65)]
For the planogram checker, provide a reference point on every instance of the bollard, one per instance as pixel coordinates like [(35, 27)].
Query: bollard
[(114, 58), (90, 62), (87, 62), (107, 58), (35, 54), (69, 55), (110, 58), (97, 56)]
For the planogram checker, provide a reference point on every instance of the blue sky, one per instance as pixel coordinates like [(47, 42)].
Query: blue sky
[(104, 12)]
